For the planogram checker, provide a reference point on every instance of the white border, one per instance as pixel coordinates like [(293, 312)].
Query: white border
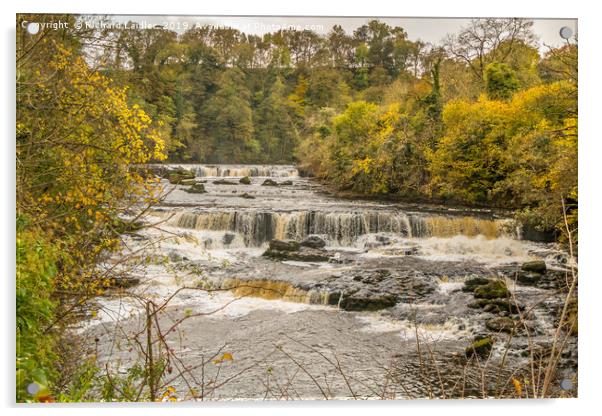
[(589, 171)]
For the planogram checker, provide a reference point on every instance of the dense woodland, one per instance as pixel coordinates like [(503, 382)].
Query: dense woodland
[(486, 118)]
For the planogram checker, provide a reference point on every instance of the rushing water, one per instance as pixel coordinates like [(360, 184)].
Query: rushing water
[(215, 239)]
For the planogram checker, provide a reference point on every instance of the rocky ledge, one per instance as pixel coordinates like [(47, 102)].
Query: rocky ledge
[(311, 250)]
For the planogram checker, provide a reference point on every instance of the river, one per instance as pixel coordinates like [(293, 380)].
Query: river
[(383, 317)]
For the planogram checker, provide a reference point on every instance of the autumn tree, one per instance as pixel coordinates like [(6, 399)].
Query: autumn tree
[(479, 43), (500, 81), (77, 139), (227, 120)]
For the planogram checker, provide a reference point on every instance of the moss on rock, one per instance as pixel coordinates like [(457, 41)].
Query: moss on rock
[(492, 290)]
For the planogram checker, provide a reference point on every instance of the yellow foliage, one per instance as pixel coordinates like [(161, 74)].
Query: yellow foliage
[(225, 357)]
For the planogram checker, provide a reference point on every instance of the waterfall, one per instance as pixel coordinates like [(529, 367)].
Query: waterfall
[(342, 228), (221, 171), (275, 289)]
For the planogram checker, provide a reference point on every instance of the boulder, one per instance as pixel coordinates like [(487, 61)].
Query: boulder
[(497, 305), (480, 347), (364, 300), (124, 282), (500, 324), (471, 284), (247, 196), (197, 188), (269, 182), (223, 182), (313, 241), (535, 266), (245, 180), (228, 238), (492, 290), (187, 182), (178, 176), (528, 278), (285, 245), (286, 183)]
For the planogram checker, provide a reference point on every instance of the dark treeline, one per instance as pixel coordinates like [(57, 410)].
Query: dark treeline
[(224, 96)]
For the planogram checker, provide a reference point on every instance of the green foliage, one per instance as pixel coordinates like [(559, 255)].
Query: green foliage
[(74, 152), (227, 120), (500, 81), (278, 136), (520, 154), (471, 157), (36, 271)]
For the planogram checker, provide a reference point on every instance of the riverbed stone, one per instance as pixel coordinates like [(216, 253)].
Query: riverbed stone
[(535, 266), (187, 182), (286, 183), (285, 245), (247, 196), (528, 278), (492, 290), (471, 284), (481, 347), (197, 188), (313, 241), (245, 180), (365, 300), (500, 324), (125, 282), (223, 182), (497, 305), (305, 254), (269, 182), (228, 238), (177, 177)]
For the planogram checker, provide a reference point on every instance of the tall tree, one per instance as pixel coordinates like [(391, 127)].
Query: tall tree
[(227, 121), (475, 43)]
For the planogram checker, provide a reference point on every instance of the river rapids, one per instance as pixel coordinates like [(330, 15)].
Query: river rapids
[(384, 316)]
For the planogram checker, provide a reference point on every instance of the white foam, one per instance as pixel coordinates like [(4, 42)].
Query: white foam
[(376, 323)]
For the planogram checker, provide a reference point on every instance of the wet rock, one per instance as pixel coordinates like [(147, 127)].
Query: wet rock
[(365, 300), (286, 183), (269, 182), (333, 298), (305, 254), (245, 180), (480, 347), (179, 176), (313, 241), (197, 188), (187, 182), (228, 238), (528, 278), (492, 290), (497, 306), (285, 245), (223, 182), (292, 250), (530, 232), (535, 266), (125, 282), (379, 241), (500, 324), (247, 196), (471, 284)]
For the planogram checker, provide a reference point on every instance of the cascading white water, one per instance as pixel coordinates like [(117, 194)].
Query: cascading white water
[(341, 228), (220, 171)]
